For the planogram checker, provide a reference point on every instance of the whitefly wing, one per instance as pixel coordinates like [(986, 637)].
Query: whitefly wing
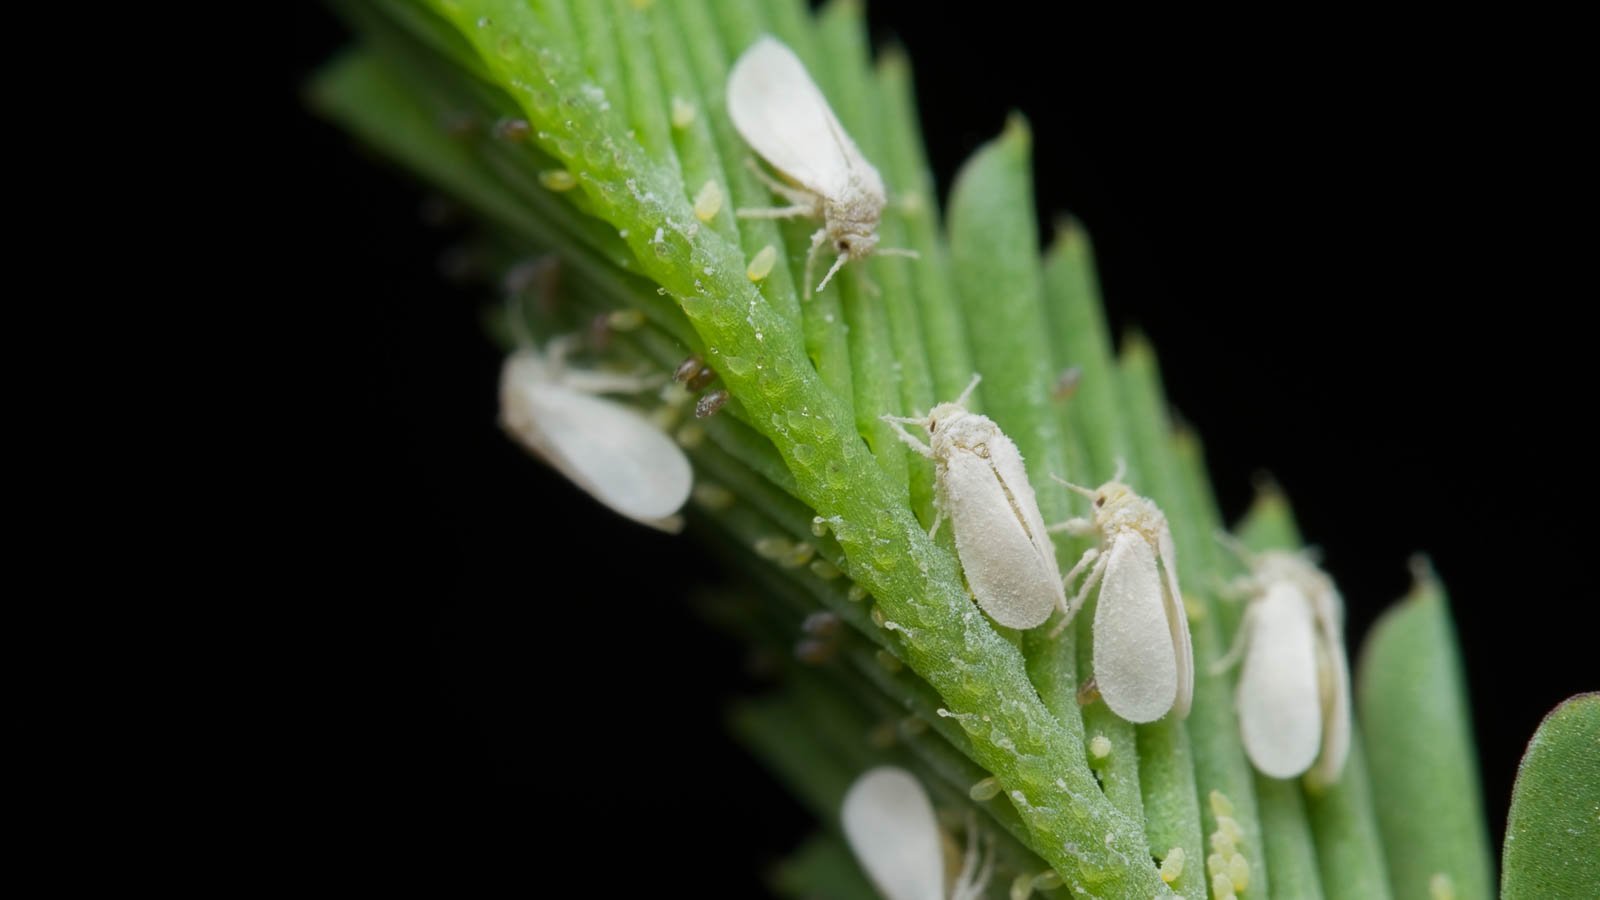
[(1333, 672), (1280, 716), (890, 826), (781, 113), (1000, 535), (1178, 624), (1135, 661), (607, 449)]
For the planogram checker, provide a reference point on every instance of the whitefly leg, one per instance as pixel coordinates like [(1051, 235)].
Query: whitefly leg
[(818, 239), (1082, 526), (969, 865), (592, 382), (1095, 574), (974, 878), (773, 212), (800, 197), (1241, 638), (1087, 559)]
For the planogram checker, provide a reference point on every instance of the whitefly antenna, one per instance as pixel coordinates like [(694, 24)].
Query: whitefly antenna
[(1075, 488), (966, 393)]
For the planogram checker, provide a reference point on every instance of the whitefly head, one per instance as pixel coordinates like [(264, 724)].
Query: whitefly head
[(1298, 568), (951, 425), (1113, 501), (852, 225)]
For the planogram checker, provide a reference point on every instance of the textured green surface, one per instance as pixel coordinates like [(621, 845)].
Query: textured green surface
[(807, 494), (1552, 849)]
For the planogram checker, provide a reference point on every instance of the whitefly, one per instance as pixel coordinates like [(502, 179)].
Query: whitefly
[(607, 448), (781, 113), (890, 825), (1294, 686), (1143, 657), (981, 485)]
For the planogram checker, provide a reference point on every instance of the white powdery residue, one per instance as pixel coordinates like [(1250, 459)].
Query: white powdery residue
[(595, 94), (1112, 849)]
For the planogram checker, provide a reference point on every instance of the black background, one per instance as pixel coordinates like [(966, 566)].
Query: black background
[(1341, 244)]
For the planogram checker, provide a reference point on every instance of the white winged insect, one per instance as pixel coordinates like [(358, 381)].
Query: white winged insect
[(610, 450), (781, 113), (892, 831), (1143, 659), (982, 485), (1294, 689)]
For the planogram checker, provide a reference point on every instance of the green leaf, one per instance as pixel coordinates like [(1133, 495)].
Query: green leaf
[(823, 869), (1552, 849), (1413, 706)]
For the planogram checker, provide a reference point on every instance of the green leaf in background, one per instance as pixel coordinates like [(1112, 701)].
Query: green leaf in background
[(1411, 695), (1552, 849)]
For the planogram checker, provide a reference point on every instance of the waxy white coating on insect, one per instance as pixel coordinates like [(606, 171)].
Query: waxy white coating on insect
[(890, 826), (781, 113), (980, 483), (1143, 658), (1294, 688), (610, 450)]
